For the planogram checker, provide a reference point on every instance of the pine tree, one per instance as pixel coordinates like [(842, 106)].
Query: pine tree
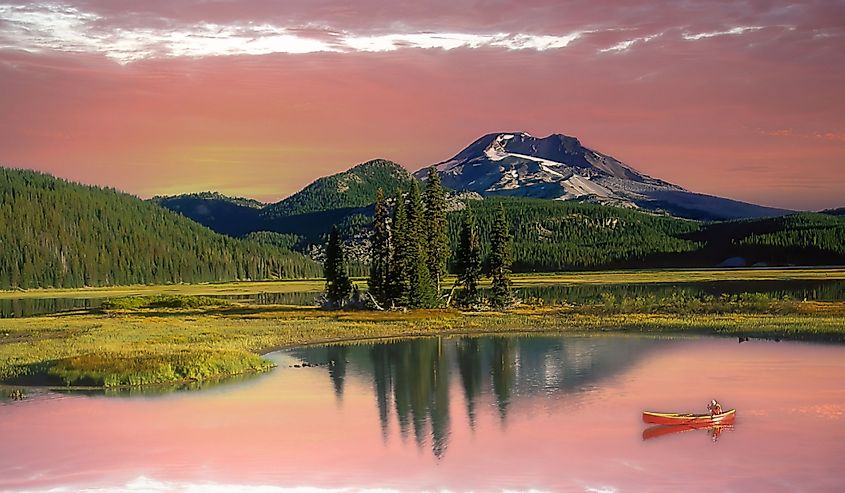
[(420, 292), (468, 259), (436, 229), (398, 283), (338, 284), (501, 257), (380, 253)]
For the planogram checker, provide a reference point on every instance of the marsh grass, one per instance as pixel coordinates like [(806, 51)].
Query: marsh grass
[(194, 342), (119, 369), (162, 301), (685, 303)]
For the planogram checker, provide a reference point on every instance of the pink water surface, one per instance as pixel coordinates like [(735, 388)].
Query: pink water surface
[(291, 428)]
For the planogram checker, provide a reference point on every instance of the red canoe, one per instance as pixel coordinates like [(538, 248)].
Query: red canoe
[(724, 418)]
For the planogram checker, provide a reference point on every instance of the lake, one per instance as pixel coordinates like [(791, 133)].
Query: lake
[(548, 413), (550, 294)]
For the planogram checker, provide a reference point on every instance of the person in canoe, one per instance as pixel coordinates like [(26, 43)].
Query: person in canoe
[(714, 407)]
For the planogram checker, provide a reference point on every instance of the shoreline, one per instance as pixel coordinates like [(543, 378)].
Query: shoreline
[(515, 332), (141, 348)]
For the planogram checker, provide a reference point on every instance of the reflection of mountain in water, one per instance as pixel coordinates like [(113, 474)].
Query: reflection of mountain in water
[(411, 378)]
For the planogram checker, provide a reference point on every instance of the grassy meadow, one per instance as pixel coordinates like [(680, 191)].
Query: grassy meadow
[(163, 334)]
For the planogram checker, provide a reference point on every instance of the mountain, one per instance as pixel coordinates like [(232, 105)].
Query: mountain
[(344, 199), (559, 167), (353, 188), (835, 212), (60, 234), (233, 216)]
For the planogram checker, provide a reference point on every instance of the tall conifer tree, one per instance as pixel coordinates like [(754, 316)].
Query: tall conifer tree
[(338, 284), (436, 229), (501, 258), (398, 283), (469, 260), (380, 253), (420, 292)]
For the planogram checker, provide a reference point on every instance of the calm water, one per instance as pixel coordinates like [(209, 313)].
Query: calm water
[(817, 290), (458, 414)]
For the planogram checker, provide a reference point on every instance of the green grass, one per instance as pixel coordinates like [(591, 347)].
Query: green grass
[(161, 301), (116, 369), (685, 303), (195, 341)]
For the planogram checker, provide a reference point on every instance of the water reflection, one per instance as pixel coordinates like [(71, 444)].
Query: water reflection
[(31, 307), (411, 378), (571, 421), (713, 431)]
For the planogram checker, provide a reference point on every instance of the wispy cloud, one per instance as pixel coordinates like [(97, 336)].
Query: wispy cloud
[(831, 136), (712, 34), (48, 26), (449, 41), (628, 43)]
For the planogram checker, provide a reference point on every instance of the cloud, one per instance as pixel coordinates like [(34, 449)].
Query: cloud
[(62, 28), (158, 29), (627, 44), (730, 32), (832, 136), (450, 41), (48, 26)]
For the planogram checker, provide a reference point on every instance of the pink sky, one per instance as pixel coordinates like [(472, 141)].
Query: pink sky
[(259, 98)]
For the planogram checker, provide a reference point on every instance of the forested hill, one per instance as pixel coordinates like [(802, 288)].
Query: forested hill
[(350, 189), (554, 235), (55, 233)]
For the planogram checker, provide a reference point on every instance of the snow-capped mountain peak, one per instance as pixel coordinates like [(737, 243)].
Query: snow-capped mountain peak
[(560, 167)]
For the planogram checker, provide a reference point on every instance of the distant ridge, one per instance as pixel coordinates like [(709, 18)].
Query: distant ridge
[(233, 216)]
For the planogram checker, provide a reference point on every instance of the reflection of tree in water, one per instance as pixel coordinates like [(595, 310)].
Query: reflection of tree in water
[(383, 382), (415, 376), (336, 359), (411, 378), (469, 362), (503, 371)]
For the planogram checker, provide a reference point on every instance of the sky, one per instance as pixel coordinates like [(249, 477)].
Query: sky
[(742, 99)]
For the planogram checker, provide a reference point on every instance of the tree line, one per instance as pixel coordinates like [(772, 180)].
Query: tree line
[(551, 235), (410, 253)]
